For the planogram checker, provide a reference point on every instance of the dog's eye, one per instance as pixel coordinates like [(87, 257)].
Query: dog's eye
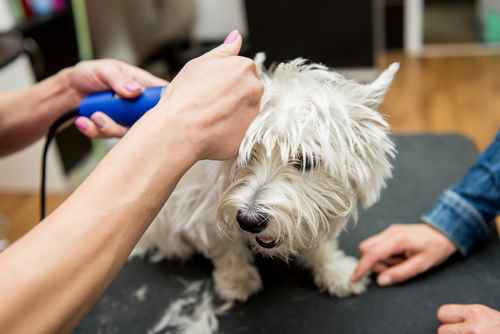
[(305, 163)]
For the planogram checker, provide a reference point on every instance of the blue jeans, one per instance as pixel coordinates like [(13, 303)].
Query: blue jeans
[(466, 212)]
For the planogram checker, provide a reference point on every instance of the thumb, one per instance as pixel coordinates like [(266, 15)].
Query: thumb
[(231, 47)]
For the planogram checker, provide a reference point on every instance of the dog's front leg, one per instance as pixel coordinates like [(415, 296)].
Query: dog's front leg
[(235, 276), (332, 269)]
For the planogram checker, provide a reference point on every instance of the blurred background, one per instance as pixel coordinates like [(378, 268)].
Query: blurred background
[(449, 51)]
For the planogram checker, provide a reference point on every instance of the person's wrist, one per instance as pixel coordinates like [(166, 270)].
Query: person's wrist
[(447, 246), (169, 122)]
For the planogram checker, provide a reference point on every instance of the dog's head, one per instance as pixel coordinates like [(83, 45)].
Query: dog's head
[(317, 147)]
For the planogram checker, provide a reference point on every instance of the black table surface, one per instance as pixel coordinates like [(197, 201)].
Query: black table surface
[(290, 303)]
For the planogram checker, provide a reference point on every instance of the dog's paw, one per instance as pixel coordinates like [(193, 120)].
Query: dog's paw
[(336, 278), (237, 283)]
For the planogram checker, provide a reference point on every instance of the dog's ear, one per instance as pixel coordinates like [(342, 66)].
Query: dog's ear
[(376, 91), (374, 149), (369, 95)]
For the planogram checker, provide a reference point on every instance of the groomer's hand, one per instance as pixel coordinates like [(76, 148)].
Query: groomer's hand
[(401, 252), (99, 75), (468, 319), (213, 100)]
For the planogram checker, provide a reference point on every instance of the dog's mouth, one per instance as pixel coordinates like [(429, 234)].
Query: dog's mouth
[(266, 242)]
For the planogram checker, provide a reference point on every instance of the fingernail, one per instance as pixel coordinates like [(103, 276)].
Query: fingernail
[(99, 121), (133, 87), (232, 37), (81, 123), (384, 280)]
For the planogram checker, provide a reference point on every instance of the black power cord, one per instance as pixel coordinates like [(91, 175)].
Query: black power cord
[(50, 136)]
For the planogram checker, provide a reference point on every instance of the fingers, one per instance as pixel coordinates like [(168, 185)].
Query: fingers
[(126, 80), (362, 269), (392, 261), (107, 127), (454, 329), (380, 267), (100, 126), (403, 271), (371, 241), (454, 319), (112, 75), (86, 127), (452, 313), (231, 46), (378, 253)]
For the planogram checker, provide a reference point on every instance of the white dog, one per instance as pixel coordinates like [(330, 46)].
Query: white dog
[(316, 149)]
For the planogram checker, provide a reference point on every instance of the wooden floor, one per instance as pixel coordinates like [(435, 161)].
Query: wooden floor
[(22, 212), (459, 95)]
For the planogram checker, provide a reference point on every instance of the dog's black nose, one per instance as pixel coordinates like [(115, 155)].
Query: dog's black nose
[(253, 222)]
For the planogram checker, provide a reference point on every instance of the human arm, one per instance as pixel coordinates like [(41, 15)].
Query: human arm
[(465, 213), (460, 220), (26, 115), (52, 276)]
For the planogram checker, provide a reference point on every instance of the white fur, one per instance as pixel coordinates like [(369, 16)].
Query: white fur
[(310, 112), (194, 313)]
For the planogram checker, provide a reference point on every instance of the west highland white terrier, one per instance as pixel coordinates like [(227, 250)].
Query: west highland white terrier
[(317, 148)]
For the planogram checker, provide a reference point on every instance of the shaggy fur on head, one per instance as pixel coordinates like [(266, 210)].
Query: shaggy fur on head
[(317, 148)]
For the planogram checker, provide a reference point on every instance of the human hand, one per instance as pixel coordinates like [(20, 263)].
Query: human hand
[(401, 252), (468, 319), (213, 100), (100, 75)]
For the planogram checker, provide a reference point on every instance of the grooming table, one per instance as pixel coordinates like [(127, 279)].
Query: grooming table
[(290, 303)]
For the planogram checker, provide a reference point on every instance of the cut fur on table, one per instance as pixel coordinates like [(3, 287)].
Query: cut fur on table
[(193, 313), (317, 149)]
